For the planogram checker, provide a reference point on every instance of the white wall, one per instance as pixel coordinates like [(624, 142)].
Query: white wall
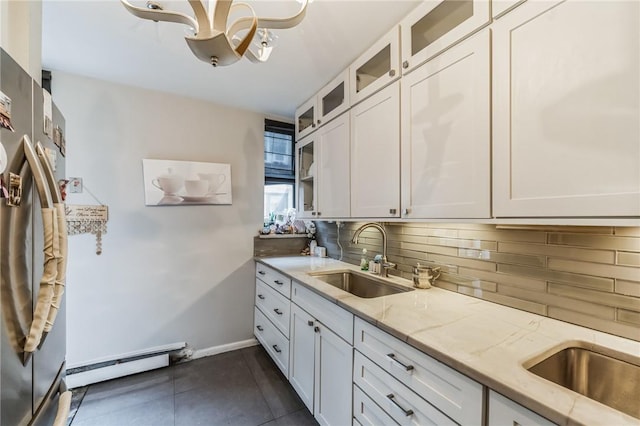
[(21, 33), (167, 274)]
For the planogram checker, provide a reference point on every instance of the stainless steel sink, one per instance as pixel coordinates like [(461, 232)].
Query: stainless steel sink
[(360, 285), (613, 380)]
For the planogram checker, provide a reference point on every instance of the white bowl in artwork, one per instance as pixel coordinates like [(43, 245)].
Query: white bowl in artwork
[(196, 187), (170, 182)]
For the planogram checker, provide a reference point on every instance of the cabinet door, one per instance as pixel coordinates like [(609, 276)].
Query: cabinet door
[(302, 353), (566, 110), (306, 177), (436, 25), (306, 116), (333, 99), (333, 378), (446, 140), (375, 155), (503, 411), (378, 67), (333, 168)]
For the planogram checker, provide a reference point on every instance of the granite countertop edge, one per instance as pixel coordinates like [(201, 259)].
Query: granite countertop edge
[(485, 341)]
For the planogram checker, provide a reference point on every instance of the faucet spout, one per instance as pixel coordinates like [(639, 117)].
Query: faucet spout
[(385, 265)]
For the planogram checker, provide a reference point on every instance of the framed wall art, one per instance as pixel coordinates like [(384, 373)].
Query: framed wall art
[(184, 183)]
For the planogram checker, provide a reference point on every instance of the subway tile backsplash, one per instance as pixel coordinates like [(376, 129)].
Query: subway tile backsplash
[(584, 275)]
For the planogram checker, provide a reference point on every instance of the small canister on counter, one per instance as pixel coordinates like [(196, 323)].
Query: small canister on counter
[(424, 276)]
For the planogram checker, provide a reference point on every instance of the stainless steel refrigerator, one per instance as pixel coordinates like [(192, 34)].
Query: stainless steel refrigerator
[(30, 382)]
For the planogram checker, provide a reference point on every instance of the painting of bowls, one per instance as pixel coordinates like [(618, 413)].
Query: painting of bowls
[(183, 183)]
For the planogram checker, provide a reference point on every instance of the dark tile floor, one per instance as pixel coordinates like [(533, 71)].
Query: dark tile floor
[(242, 387)]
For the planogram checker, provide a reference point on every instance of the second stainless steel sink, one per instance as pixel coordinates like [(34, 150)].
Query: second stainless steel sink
[(360, 285), (612, 381)]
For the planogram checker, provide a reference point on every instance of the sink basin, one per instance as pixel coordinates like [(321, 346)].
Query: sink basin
[(611, 380), (360, 285)]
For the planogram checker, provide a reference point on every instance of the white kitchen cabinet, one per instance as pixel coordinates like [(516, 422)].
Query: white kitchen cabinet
[(302, 355), (333, 99), (275, 343), (500, 7), (376, 68), (306, 117), (306, 171), (375, 155), (333, 194), (566, 110), (436, 25), (320, 368), (503, 411), (451, 392), (446, 134), (322, 179)]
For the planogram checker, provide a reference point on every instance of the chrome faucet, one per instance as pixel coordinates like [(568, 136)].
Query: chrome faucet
[(385, 266)]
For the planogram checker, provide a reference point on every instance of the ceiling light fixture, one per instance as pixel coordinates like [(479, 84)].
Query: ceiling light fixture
[(216, 42)]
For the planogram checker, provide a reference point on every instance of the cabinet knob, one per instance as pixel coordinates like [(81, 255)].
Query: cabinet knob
[(319, 122), (392, 211), (392, 73), (313, 213), (316, 329), (405, 64), (406, 212), (319, 213), (310, 323), (313, 125)]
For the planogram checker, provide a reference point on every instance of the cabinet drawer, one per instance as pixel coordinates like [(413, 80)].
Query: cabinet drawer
[(273, 341), (397, 400), (456, 395), (366, 412), (503, 411), (333, 316), (275, 279), (274, 305)]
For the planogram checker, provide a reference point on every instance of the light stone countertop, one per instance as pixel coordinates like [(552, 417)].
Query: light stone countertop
[(486, 341)]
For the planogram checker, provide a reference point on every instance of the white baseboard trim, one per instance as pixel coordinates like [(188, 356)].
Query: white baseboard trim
[(214, 350), (118, 370)]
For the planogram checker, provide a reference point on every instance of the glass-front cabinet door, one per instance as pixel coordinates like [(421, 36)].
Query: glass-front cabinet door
[(306, 118), (376, 68), (436, 25), (333, 99), (306, 177)]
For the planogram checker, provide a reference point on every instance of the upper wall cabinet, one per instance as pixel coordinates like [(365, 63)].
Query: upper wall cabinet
[(306, 116), (500, 7), (377, 67), (566, 110), (333, 168), (446, 139), (375, 155), (306, 170), (435, 25), (333, 99)]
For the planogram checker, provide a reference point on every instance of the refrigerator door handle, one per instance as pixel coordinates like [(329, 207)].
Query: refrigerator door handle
[(28, 155)]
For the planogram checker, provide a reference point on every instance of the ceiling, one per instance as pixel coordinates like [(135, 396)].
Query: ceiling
[(101, 39)]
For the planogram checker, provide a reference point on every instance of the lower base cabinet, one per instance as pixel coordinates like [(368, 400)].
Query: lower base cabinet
[(321, 366)]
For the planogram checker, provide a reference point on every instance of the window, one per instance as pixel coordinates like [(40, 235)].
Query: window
[(279, 168)]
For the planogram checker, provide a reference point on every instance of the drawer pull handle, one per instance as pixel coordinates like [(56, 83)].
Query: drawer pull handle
[(278, 282), (277, 311), (406, 412), (261, 297), (259, 327), (276, 348), (403, 365), (310, 323), (262, 272)]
